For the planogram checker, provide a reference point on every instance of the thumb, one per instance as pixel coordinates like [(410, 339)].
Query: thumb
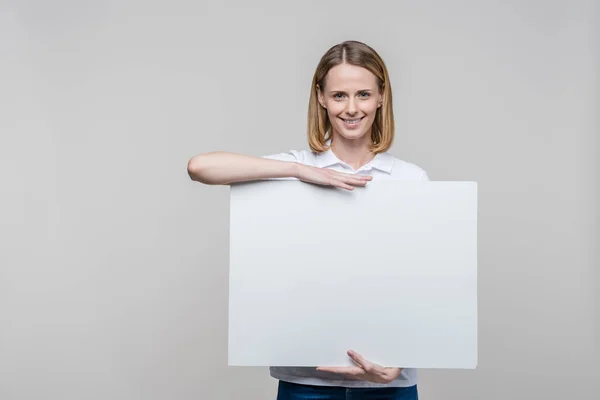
[(359, 359)]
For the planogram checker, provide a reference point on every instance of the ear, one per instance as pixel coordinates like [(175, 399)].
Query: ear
[(380, 99), (320, 97)]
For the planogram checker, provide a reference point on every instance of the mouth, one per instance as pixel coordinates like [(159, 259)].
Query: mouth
[(351, 122)]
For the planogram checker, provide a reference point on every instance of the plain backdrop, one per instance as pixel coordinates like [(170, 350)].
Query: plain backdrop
[(114, 264)]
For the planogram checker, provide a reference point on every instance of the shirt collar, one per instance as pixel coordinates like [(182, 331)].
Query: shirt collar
[(381, 161)]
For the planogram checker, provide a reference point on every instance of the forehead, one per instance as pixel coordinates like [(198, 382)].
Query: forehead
[(346, 76)]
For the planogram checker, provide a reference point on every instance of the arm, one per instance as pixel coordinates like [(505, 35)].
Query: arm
[(223, 168)]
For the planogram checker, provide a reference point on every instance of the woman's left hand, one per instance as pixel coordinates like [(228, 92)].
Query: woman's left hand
[(365, 370)]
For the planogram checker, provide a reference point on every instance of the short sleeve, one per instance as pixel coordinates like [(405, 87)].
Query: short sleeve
[(291, 156)]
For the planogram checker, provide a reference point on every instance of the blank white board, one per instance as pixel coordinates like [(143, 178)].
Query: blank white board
[(388, 270)]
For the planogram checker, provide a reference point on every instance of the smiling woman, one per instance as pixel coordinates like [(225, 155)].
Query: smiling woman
[(350, 129), (351, 98)]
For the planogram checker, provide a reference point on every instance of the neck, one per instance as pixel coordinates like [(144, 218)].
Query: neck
[(354, 152)]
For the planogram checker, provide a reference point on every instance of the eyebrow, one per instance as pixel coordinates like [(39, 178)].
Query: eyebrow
[(343, 91)]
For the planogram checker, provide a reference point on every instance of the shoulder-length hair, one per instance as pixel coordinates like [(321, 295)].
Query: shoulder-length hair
[(361, 55)]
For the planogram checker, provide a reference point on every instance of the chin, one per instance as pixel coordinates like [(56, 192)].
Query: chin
[(352, 135)]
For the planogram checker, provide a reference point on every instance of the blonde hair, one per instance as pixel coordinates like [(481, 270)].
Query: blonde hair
[(361, 55)]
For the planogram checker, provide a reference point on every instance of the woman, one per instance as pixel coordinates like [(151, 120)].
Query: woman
[(350, 129)]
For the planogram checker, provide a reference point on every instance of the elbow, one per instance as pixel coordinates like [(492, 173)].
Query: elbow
[(196, 169), (205, 168)]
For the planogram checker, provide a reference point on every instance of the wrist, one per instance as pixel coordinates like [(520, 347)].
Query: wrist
[(296, 169)]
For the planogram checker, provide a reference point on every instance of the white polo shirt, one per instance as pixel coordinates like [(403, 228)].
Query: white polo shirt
[(383, 166)]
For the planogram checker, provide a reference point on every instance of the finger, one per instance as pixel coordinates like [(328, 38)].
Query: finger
[(347, 174), (341, 184), (362, 361), (354, 183), (358, 358), (355, 176), (355, 180), (339, 173), (350, 371)]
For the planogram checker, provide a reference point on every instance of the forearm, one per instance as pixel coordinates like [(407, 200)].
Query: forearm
[(223, 168)]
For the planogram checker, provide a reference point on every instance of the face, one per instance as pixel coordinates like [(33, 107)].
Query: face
[(351, 96)]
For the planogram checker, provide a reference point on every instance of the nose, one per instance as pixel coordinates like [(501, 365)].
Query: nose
[(351, 109)]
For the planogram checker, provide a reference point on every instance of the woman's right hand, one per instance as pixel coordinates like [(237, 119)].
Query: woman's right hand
[(329, 177), (224, 168)]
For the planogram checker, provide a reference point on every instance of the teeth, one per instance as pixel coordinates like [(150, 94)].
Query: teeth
[(352, 121)]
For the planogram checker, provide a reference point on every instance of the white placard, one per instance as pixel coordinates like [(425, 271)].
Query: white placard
[(389, 270)]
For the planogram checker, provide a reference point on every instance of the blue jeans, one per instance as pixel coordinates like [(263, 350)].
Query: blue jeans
[(293, 391)]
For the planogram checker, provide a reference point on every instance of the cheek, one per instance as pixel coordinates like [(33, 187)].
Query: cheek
[(333, 118), (334, 109), (371, 107)]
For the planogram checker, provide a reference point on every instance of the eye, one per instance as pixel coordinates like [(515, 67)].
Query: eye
[(338, 96), (364, 94)]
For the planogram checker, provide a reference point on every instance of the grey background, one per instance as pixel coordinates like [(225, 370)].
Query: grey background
[(114, 265)]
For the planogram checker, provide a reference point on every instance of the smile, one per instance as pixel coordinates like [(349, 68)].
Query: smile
[(353, 121)]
